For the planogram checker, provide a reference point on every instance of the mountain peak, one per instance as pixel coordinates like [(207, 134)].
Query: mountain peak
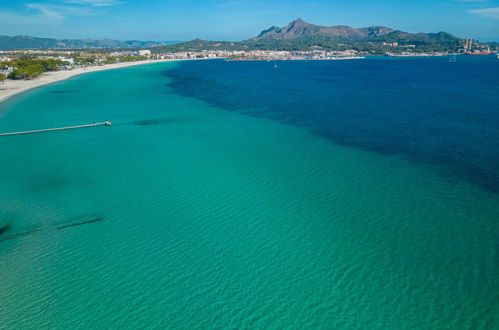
[(298, 21), (301, 29)]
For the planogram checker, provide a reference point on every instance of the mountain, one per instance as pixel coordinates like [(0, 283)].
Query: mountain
[(301, 29), (300, 35), (28, 42)]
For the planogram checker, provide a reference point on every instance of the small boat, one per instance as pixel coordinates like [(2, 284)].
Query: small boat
[(275, 64)]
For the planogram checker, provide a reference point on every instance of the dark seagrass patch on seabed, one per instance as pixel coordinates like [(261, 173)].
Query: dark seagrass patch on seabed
[(26, 233), (56, 227), (74, 224), (4, 229), (150, 122), (62, 92), (47, 181)]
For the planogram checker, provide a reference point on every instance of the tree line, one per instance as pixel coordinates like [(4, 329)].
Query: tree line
[(26, 67), (29, 68)]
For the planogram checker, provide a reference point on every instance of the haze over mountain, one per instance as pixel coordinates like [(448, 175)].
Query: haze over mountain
[(29, 42)]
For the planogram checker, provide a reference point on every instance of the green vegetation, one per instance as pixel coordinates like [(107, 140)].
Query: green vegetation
[(132, 58), (111, 60), (2, 78), (29, 68), (421, 42), (27, 72), (85, 61), (198, 44)]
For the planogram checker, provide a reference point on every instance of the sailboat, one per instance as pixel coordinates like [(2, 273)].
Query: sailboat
[(275, 64)]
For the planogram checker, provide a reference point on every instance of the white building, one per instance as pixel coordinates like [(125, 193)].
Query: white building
[(6, 70), (70, 60), (145, 52)]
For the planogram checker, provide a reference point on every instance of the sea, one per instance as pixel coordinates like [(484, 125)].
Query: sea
[(352, 194)]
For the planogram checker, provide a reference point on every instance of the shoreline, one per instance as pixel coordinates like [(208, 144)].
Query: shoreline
[(242, 59), (14, 87)]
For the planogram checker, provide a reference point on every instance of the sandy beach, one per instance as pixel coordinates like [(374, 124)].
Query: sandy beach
[(13, 87)]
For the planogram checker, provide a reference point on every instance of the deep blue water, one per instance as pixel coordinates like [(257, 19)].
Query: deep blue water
[(424, 109)]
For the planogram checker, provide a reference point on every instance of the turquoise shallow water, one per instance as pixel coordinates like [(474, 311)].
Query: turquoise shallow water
[(214, 219)]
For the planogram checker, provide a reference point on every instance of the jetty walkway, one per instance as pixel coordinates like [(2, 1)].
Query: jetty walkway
[(106, 123)]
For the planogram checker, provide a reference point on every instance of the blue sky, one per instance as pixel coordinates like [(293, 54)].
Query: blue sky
[(237, 19)]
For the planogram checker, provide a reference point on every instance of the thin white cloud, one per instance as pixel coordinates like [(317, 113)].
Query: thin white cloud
[(45, 11), (14, 20), (487, 12), (95, 3), (47, 17), (57, 12)]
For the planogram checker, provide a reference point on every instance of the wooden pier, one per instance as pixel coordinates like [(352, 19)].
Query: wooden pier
[(106, 123)]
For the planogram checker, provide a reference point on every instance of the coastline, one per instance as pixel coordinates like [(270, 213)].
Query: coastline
[(14, 87)]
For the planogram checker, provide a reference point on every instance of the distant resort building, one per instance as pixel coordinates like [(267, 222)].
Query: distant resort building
[(142, 52)]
